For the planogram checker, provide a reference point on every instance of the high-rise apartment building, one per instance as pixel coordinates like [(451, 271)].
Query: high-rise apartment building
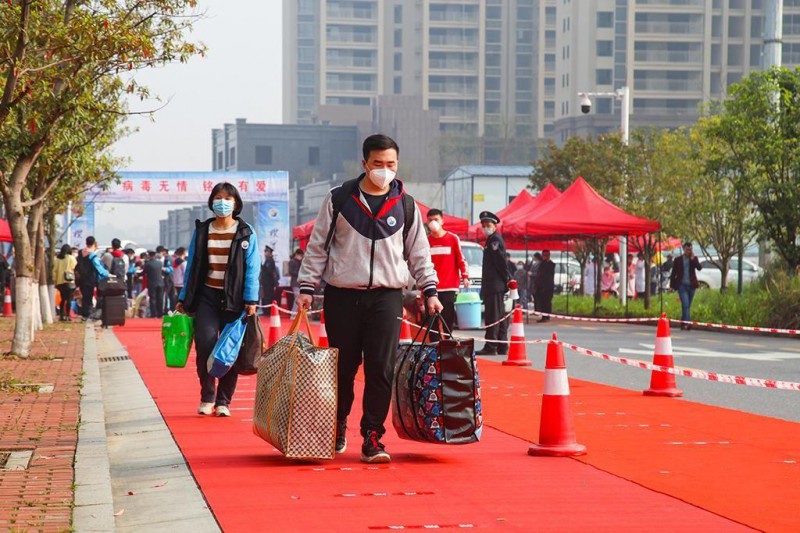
[(675, 56), (476, 62)]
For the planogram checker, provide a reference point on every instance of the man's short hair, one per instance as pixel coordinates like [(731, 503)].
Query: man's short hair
[(90, 241), (299, 251), (435, 213), (378, 143), (687, 244), (180, 251), (159, 249), (116, 243)]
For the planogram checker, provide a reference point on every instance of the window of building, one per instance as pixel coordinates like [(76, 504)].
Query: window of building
[(398, 38), (398, 14), (755, 55), (398, 61), (736, 27), (605, 19), (398, 85), (605, 48), (492, 84), (220, 160), (263, 155), (232, 156), (492, 60), (313, 156), (492, 106), (603, 76), (604, 106), (493, 36), (494, 12), (735, 55), (523, 108)]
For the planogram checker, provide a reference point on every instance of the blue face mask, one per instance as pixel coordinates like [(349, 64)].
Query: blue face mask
[(222, 208)]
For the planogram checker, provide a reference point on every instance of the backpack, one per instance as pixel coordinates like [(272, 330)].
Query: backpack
[(348, 188), (85, 271), (118, 268)]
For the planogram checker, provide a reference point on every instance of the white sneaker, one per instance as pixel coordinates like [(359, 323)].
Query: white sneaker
[(206, 408), (222, 410)]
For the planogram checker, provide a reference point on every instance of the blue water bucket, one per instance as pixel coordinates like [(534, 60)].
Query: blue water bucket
[(468, 310)]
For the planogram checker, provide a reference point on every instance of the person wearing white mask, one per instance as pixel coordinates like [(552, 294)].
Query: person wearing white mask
[(495, 278), (450, 265), (220, 281), (369, 234)]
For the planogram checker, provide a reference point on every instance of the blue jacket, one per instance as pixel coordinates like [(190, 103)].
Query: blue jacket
[(241, 277), (102, 271)]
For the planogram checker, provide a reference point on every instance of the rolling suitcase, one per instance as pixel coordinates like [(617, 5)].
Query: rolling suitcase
[(114, 310)]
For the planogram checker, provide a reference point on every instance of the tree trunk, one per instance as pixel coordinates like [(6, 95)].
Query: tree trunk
[(23, 325), (45, 303)]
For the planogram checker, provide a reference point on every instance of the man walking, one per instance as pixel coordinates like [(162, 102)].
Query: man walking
[(89, 271), (153, 271), (368, 236), (683, 279), (494, 284), (450, 265), (269, 277), (177, 275), (545, 285)]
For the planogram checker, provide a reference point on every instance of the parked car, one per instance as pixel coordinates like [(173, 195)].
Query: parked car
[(711, 276)]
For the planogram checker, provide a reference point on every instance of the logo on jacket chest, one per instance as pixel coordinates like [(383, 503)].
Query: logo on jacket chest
[(245, 245), (391, 222)]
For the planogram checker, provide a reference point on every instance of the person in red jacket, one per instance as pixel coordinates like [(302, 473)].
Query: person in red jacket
[(449, 263)]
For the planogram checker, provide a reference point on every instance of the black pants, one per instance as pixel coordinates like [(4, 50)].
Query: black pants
[(544, 302), (448, 299), (87, 296), (363, 324), (66, 300), (209, 321), (494, 310), (156, 295)]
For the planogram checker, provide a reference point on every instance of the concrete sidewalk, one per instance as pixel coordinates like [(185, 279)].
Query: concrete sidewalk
[(150, 486)]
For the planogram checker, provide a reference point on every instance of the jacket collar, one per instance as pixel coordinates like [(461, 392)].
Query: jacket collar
[(396, 188), (242, 230)]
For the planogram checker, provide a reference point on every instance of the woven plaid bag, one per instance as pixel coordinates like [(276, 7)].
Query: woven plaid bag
[(295, 406)]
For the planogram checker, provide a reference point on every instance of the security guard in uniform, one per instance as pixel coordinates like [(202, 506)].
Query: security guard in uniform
[(494, 284)]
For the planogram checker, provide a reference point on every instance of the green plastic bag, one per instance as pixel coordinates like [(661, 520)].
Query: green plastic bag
[(177, 333)]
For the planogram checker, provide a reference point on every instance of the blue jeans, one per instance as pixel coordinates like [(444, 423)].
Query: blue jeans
[(686, 292)]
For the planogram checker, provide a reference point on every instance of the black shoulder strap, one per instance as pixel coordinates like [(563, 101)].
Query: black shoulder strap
[(408, 208), (338, 196)]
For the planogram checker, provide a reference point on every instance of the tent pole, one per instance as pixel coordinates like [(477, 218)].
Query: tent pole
[(661, 274), (528, 288), (568, 280)]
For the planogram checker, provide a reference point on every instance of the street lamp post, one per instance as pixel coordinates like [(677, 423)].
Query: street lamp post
[(623, 94)]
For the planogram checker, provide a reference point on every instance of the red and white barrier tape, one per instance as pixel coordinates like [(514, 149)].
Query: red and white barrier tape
[(689, 372), (672, 320)]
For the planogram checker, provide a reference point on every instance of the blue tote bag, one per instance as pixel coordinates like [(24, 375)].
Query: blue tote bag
[(225, 352)]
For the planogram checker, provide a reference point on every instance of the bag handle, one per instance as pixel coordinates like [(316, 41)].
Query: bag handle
[(302, 316), (427, 328)]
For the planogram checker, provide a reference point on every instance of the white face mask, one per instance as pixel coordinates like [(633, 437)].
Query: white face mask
[(381, 177), (488, 231), (434, 226)]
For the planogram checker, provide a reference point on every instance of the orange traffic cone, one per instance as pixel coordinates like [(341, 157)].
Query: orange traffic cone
[(322, 342), (274, 324), (8, 310), (556, 430), (405, 330), (517, 352), (663, 383)]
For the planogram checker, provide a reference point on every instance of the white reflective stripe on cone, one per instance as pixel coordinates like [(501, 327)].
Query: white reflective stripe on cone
[(556, 382), (517, 329), (322, 331), (275, 321), (663, 345)]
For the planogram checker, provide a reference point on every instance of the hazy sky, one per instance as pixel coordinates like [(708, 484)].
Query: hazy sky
[(240, 77)]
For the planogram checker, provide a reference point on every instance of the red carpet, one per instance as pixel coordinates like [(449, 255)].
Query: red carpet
[(490, 485)]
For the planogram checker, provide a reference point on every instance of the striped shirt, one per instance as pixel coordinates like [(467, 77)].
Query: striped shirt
[(219, 248)]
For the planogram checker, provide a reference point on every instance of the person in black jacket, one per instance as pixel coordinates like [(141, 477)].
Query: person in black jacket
[(684, 280), (494, 284), (544, 285), (269, 277), (220, 283), (155, 284)]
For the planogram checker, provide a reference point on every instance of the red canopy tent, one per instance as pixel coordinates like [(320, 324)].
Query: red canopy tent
[(513, 227), (5, 231), (459, 226), (518, 203), (580, 212)]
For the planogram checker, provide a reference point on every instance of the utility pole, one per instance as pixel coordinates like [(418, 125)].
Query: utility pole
[(771, 57)]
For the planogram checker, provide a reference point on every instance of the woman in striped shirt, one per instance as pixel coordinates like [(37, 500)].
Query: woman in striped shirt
[(221, 281)]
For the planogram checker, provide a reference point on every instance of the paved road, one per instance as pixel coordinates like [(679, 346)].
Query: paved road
[(751, 356)]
